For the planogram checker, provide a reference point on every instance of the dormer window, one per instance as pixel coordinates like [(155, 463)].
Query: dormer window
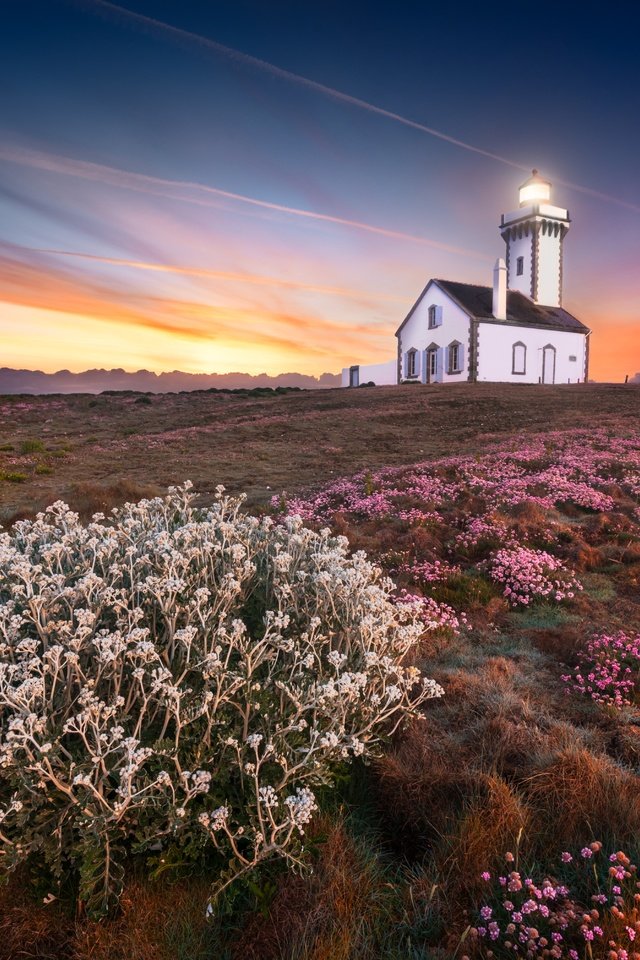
[(520, 266), (435, 316)]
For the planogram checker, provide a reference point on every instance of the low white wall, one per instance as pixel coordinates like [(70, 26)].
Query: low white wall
[(382, 374)]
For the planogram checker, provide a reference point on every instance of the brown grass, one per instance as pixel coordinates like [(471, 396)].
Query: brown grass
[(152, 920), (495, 820), (320, 917), (579, 794)]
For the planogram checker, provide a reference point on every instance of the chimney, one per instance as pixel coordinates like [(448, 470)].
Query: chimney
[(500, 290)]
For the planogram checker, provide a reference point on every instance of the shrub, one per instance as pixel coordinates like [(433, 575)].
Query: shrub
[(13, 476), (181, 675), (32, 446), (527, 574), (608, 669)]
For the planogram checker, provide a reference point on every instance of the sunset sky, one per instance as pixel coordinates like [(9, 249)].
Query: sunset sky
[(217, 185)]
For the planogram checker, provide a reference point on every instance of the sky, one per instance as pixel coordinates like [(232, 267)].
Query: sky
[(221, 185)]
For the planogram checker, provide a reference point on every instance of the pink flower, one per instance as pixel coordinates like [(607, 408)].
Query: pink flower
[(566, 857)]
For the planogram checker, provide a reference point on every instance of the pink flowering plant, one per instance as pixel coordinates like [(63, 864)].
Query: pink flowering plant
[(460, 513), (526, 574), (180, 678), (589, 908), (549, 470), (608, 670)]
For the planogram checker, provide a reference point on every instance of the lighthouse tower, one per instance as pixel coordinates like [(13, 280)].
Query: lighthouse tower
[(534, 235)]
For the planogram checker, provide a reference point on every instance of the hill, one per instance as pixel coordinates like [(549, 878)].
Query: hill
[(97, 451), (95, 381)]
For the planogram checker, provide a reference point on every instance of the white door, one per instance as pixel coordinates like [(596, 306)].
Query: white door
[(549, 364), (432, 365)]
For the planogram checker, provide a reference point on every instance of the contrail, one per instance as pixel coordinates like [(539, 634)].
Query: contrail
[(159, 186), (251, 278), (246, 58)]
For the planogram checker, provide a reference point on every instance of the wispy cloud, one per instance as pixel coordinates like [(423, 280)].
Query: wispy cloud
[(223, 275), (239, 56), (201, 194)]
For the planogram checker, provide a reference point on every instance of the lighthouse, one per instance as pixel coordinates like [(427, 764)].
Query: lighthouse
[(534, 235)]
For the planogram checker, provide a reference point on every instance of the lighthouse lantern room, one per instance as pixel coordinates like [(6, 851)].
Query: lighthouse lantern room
[(534, 236)]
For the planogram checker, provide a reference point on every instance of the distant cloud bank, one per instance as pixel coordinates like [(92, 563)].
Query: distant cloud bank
[(94, 381)]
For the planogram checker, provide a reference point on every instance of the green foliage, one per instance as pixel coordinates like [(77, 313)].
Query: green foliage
[(598, 586), (542, 616), (32, 446), (13, 476), (463, 589), (101, 877)]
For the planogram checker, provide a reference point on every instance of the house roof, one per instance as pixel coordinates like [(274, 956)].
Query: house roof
[(477, 302)]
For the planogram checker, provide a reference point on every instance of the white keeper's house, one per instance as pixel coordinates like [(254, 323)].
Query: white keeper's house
[(516, 331)]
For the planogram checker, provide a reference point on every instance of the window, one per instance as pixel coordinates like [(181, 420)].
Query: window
[(354, 376), (573, 359), (412, 366), (455, 357), (435, 316), (519, 358), (519, 266)]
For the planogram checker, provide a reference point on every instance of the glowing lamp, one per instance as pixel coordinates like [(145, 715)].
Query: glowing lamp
[(535, 190)]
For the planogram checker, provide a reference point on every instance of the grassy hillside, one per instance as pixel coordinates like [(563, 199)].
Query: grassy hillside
[(95, 452), (511, 516)]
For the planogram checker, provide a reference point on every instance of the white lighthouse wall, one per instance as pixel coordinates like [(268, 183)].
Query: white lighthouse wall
[(520, 247), (549, 251), (415, 334), (495, 353)]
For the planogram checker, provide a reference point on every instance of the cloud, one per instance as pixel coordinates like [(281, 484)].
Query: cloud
[(362, 296), (201, 194), (32, 280), (327, 91)]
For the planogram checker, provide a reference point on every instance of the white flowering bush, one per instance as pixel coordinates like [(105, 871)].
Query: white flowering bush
[(185, 677)]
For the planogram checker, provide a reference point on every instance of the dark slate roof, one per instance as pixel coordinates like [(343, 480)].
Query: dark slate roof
[(478, 302)]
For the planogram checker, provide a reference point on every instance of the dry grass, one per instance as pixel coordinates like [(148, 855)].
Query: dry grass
[(332, 914), (157, 922), (580, 793)]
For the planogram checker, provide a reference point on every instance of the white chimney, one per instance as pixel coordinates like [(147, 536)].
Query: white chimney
[(500, 290)]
